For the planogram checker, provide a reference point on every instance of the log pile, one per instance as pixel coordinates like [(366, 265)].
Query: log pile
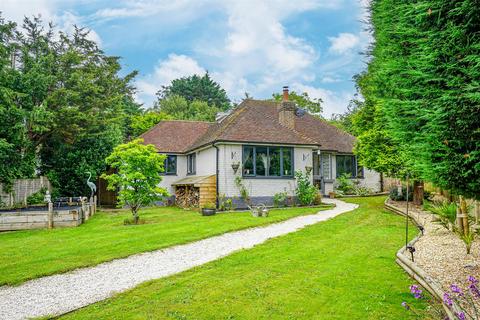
[(187, 196)]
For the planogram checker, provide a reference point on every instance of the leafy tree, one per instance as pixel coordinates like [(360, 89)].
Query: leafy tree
[(65, 102), (304, 101), (200, 88), (344, 120), (144, 122), (137, 176), (177, 107), (422, 80)]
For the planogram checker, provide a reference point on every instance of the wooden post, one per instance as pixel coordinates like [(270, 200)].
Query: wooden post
[(464, 209), (459, 220), (477, 212), (94, 204), (417, 192), (50, 215)]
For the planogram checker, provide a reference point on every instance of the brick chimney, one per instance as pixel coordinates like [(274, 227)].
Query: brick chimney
[(286, 111)]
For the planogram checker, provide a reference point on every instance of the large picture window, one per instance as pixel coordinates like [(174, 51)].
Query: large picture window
[(170, 165), (346, 164), (263, 161), (191, 163)]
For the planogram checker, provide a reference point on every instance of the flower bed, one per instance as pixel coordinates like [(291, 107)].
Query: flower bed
[(440, 256)]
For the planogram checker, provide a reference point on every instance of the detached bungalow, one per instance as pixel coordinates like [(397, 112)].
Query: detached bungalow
[(263, 142)]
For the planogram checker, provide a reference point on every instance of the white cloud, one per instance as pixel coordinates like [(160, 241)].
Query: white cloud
[(68, 20), (333, 102), (174, 67), (343, 43), (16, 10)]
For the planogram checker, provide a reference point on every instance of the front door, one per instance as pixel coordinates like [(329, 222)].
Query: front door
[(318, 179)]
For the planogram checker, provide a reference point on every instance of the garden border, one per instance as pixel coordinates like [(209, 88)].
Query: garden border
[(417, 273)]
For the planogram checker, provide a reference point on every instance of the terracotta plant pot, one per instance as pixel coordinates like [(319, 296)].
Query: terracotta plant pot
[(331, 195), (208, 211)]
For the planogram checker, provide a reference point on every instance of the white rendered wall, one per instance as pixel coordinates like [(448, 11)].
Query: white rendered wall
[(230, 154), (167, 180)]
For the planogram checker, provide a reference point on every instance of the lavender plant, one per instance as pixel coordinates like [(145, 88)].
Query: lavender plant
[(466, 302)]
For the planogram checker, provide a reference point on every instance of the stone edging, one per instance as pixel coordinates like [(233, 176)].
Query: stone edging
[(414, 270)]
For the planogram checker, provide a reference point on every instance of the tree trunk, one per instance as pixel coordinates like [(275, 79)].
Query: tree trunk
[(135, 215), (418, 192)]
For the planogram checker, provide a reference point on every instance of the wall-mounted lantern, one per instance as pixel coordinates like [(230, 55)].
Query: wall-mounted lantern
[(235, 167)]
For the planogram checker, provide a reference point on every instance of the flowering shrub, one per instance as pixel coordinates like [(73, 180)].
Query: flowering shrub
[(467, 301)]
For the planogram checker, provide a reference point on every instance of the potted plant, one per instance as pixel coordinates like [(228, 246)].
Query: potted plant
[(209, 209)]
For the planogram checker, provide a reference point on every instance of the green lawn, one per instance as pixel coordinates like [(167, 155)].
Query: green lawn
[(339, 269), (30, 254)]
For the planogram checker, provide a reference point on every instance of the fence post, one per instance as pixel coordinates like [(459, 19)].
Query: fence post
[(50, 215), (95, 204)]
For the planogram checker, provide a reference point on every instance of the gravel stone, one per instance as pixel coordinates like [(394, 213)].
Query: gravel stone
[(61, 293), (441, 253)]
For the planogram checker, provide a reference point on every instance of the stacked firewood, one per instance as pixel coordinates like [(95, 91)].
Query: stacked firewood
[(187, 196)]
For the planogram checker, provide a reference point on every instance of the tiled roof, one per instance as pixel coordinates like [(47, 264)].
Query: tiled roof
[(175, 136), (254, 121)]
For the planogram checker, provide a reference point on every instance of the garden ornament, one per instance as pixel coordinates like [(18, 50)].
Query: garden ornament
[(91, 185)]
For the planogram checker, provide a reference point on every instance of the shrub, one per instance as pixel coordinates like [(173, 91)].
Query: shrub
[(362, 191), (209, 205), (445, 212), (243, 190), (280, 199), (305, 191), (345, 184), (224, 204), (37, 197), (318, 199), (394, 195)]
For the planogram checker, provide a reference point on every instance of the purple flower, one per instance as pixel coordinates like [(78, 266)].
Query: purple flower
[(460, 315), (473, 287), (447, 300), (456, 289), (416, 291), (405, 305)]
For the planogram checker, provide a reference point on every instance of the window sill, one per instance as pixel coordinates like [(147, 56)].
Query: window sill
[(269, 177), (168, 174)]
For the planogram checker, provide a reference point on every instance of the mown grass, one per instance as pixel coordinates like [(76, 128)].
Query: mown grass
[(30, 254), (343, 268)]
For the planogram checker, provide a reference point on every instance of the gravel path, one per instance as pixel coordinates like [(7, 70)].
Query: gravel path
[(442, 254), (58, 294)]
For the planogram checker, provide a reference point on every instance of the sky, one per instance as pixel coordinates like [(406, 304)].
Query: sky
[(252, 46)]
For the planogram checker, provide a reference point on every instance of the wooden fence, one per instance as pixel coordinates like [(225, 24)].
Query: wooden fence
[(22, 188)]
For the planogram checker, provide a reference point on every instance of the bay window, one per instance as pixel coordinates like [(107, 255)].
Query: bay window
[(266, 161)]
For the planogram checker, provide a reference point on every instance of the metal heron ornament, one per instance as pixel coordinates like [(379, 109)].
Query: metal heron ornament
[(91, 185)]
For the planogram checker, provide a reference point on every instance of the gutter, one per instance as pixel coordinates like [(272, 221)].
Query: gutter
[(216, 174)]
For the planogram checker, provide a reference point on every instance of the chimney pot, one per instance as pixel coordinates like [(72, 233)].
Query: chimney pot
[(285, 93)]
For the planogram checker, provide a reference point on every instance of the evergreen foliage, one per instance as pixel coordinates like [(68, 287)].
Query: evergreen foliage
[(63, 106), (303, 100), (196, 88), (422, 93)]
